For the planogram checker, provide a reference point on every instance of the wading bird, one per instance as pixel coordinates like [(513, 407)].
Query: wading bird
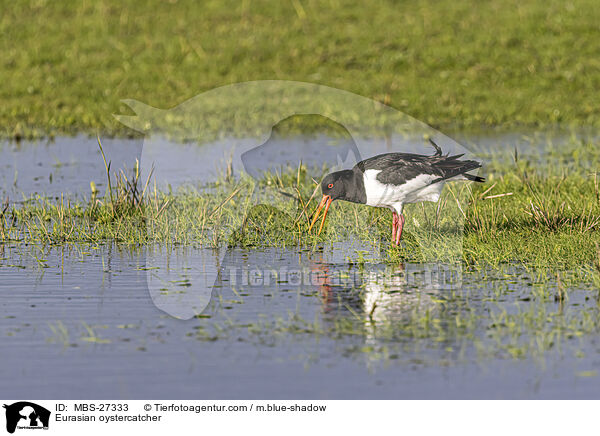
[(392, 180)]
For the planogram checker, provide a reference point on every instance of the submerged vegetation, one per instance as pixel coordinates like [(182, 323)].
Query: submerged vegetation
[(380, 314)]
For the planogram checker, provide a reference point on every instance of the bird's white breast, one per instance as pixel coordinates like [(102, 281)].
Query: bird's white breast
[(413, 191)]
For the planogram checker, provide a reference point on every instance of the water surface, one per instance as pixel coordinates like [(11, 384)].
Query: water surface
[(82, 324)]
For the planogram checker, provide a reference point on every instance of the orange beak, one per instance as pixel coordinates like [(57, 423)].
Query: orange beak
[(326, 201)]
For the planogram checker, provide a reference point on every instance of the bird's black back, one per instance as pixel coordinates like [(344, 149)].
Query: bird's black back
[(398, 168)]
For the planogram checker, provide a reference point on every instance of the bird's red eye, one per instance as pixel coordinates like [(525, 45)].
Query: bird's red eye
[(330, 185)]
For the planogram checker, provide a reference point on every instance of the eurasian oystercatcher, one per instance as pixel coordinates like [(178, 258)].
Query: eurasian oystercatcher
[(392, 180)]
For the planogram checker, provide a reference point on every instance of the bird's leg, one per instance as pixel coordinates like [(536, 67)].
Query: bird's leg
[(399, 228), (394, 225)]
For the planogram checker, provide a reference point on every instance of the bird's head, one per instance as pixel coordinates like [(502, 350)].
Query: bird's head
[(334, 186)]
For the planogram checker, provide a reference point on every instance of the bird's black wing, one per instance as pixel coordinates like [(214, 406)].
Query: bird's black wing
[(398, 168)]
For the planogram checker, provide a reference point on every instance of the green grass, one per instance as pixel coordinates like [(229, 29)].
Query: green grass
[(66, 65)]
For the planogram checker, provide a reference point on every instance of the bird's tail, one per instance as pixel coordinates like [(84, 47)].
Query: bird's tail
[(452, 166)]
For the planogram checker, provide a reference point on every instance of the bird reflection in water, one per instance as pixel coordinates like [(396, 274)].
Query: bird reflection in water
[(376, 294)]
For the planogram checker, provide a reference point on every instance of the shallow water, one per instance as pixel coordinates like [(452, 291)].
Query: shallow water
[(82, 324), (81, 321)]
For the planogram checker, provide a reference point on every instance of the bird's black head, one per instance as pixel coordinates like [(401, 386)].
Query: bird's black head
[(341, 185), (338, 185)]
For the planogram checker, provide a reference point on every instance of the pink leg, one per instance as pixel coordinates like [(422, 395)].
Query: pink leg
[(399, 229), (394, 225)]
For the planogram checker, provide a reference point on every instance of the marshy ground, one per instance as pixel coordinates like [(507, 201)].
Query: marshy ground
[(497, 286)]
